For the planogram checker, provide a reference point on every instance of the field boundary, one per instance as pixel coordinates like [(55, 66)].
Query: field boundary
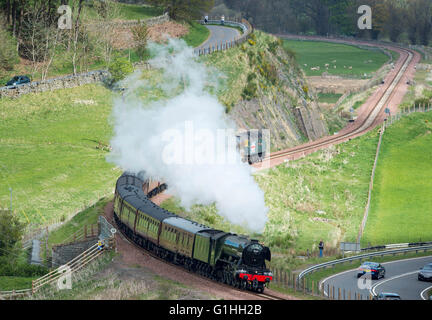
[(392, 119)]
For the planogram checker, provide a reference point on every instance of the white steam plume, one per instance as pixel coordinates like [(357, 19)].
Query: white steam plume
[(155, 137)]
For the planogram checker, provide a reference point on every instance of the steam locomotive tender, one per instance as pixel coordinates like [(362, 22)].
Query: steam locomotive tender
[(225, 257)]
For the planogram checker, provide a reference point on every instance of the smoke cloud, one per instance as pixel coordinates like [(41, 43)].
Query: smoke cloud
[(185, 138)]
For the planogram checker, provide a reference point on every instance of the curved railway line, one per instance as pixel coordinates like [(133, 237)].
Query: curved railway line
[(261, 296), (370, 114)]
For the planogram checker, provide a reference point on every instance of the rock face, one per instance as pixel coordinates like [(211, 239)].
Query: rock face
[(283, 102)]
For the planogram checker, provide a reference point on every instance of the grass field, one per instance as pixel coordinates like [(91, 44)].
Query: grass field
[(401, 207), (197, 34), (318, 197), (312, 54), (329, 97), (53, 151)]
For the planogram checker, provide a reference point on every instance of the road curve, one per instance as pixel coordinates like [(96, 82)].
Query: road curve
[(219, 35), (400, 277)]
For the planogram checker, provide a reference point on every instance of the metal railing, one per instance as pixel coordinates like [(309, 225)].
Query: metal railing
[(361, 257), (243, 24)]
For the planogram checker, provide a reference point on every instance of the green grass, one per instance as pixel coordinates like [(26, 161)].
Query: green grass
[(51, 156), (318, 197), (15, 283), (401, 207), (329, 97), (197, 34), (88, 216), (316, 53)]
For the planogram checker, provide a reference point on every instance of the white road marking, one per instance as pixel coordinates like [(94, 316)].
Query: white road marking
[(372, 290), (423, 292), (321, 284)]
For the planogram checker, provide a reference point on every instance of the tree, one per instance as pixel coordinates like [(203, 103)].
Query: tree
[(185, 9), (140, 35), (11, 232), (8, 54), (119, 69)]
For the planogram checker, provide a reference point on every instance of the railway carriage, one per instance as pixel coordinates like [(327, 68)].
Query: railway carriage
[(222, 256)]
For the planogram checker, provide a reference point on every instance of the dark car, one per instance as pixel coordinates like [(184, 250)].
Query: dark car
[(18, 80), (387, 296), (425, 273), (375, 269)]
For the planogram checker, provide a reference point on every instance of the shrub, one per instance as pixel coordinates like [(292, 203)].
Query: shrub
[(119, 69), (8, 53), (140, 35)]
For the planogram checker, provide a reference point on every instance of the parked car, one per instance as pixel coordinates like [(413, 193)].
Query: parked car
[(425, 273), (18, 80), (375, 269), (387, 296)]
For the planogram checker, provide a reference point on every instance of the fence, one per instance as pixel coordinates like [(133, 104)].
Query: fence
[(72, 266), (388, 122), (243, 24)]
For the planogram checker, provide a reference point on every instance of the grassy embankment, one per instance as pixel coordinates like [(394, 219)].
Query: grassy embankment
[(53, 147), (318, 197), (401, 206)]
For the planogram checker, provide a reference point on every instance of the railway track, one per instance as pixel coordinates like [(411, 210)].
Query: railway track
[(368, 119), (263, 296)]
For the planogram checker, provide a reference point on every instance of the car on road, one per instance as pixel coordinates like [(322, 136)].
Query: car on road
[(18, 80), (375, 269), (387, 296), (425, 273)]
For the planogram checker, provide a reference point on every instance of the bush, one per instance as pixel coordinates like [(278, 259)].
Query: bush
[(22, 270), (8, 53), (119, 69)]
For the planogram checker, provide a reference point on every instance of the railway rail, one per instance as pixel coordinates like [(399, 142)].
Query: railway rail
[(368, 118), (264, 296)]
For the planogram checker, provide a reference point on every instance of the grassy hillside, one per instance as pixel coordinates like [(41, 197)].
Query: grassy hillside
[(401, 207), (262, 86), (312, 54), (53, 147), (318, 197)]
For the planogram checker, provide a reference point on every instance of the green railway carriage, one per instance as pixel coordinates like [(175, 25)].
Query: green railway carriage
[(230, 258)]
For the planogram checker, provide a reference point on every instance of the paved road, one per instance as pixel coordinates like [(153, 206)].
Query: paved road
[(218, 35), (401, 278)]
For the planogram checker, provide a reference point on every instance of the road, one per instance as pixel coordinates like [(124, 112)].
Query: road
[(400, 277), (219, 35)]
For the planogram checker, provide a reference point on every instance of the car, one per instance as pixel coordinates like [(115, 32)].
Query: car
[(375, 269), (387, 296), (18, 80), (425, 273)]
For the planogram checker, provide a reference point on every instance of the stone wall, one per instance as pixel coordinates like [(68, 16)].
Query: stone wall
[(63, 82), (62, 254)]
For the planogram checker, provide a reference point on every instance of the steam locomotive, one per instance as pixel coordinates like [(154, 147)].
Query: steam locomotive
[(221, 256), (251, 145)]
